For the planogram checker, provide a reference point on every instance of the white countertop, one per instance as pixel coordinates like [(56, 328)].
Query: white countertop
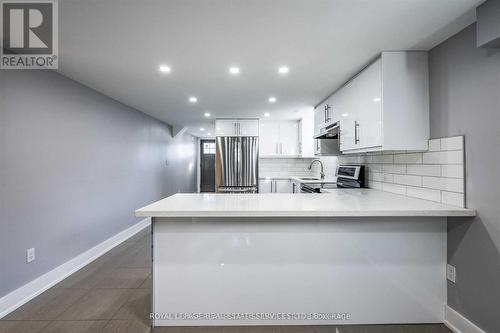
[(349, 202)]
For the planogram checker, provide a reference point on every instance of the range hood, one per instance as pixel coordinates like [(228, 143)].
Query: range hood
[(329, 132), (327, 142)]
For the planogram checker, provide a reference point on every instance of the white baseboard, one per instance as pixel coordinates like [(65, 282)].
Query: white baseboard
[(24, 294), (458, 323)]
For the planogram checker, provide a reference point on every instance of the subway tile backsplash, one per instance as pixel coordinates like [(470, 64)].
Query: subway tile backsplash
[(295, 167), (435, 175)]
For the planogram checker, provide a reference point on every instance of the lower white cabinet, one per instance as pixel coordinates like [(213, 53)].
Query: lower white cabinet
[(271, 185), (295, 186)]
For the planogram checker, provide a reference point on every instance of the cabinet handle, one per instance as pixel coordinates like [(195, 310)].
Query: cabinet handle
[(356, 132)]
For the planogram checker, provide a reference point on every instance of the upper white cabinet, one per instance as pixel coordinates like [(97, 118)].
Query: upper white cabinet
[(306, 134), (386, 106), (323, 116), (279, 138), (237, 127)]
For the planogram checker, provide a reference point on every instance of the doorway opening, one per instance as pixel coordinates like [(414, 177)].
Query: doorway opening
[(207, 165)]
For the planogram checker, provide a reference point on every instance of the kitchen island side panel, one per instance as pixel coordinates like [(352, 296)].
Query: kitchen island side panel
[(378, 270)]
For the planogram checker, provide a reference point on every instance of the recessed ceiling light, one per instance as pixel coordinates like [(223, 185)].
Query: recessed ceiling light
[(193, 99), (234, 70), (272, 99), (165, 69), (377, 99), (207, 114), (209, 133), (267, 114), (202, 129), (283, 70), (345, 115)]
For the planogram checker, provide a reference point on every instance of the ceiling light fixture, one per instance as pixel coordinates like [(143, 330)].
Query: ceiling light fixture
[(272, 99), (165, 69), (283, 70), (377, 99), (202, 129), (267, 114), (193, 99), (234, 70), (209, 134), (207, 114)]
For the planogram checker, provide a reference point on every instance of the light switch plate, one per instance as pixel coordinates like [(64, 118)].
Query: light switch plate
[(451, 273), (30, 255)]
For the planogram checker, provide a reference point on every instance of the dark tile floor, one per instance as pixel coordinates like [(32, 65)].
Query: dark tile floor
[(112, 294)]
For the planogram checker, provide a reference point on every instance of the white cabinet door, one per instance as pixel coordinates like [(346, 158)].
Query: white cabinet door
[(329, 111), (306, 130), (269, 138), (319, 118), (334, 103), (282, 186), (265, 185), (248, 127), (369, 116), (226, 127), (348, 114), (289, 138)]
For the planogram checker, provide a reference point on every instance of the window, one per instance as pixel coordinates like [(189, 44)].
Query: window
[(209, 148)]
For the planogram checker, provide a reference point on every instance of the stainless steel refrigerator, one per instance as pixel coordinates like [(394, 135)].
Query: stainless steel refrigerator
[(237, 163)]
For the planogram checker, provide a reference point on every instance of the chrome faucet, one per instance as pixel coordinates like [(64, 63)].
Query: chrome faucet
[(322, 174)]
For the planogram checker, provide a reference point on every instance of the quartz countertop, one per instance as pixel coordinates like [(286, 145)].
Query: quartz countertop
[(341, 202)]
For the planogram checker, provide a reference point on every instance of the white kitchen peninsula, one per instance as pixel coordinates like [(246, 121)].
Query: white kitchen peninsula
[(349, 257)]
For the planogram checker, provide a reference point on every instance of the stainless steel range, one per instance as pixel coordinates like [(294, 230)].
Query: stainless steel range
[(348, 176)]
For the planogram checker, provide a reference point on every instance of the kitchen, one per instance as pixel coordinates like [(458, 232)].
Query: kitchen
[(250, 166)]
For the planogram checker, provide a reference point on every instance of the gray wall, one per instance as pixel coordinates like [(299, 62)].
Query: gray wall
[(465, 99), (74, 165)]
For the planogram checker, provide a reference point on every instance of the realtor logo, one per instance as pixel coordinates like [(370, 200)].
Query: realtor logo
[(29, 35)]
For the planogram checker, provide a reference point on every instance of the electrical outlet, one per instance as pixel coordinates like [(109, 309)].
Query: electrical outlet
[(30, 255), (451, 273)]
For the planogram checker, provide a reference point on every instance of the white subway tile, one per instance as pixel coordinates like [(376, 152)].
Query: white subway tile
[(446, 184), (375, 185), (435, 145), (388, 178), (452, 198), (424, 170), (376, 176), (452, 171), (408, 180), (424, 193), (444, 157), (452, 143), (375, 167), (394, 168), (382, 159), (394, 188), (414, 158)]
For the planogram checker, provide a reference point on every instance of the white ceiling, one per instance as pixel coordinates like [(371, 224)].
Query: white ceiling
[(116, 47)]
